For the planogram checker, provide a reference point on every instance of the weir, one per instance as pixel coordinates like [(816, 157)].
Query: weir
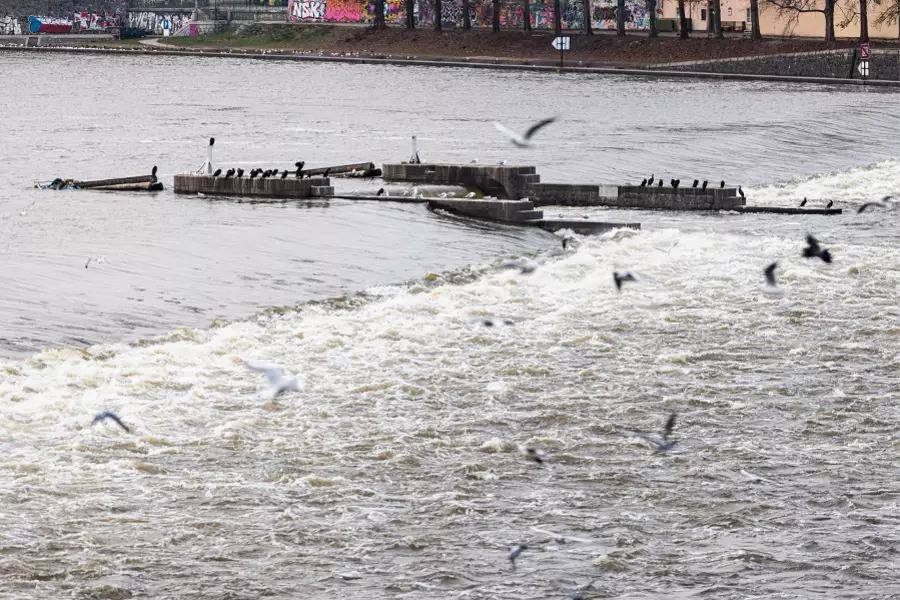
[(289, 188)]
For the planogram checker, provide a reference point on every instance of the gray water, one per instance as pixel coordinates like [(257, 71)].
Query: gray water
[(396, 472)]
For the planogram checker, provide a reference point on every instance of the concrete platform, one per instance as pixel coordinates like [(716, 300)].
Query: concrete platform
[(788, 210), (289, 188), (505, 182), (632, 196), (508, 211)]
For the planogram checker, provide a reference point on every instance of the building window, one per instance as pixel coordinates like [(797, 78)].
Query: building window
[(729, 11), (749, 20), (702, 14)]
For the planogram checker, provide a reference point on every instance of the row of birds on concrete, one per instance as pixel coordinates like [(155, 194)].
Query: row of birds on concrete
[(677, 182), (270, 173)]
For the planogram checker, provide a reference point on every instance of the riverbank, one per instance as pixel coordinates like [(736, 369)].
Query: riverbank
[(599, 50)]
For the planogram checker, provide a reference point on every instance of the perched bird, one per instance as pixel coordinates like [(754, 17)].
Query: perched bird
[(212, 141), (470, 195), (721, 184), (644, 182), (888, 202), (663, 443), (813, 249), (650, 181), (265, 174), (660, 184), (524, 141), (515, 553), (253, 174), (502, 162), (676, 183), (327, 171), (830, 204), (620, 277), (772, 288), (217, 172), (277, 383), (802, 204), (285, 174), (110, 415), (705, 183), (153, 171), (240, 173), (380, 192), (740, 191), (696, 183), (299, 164), (229, 173)]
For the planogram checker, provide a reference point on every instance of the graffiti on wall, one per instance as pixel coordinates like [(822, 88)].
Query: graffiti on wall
[(90, 21), (49, 25), (153, 22), (10, 26), (603, 13)]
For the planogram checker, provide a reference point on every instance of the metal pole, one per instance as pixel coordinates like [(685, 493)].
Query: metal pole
[(561, 52)]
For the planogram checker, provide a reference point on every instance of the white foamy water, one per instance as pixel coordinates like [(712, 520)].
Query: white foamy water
[(397, 471)]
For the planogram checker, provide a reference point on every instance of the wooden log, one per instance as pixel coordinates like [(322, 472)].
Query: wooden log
[(115, 181), (340, 169), (144, 186)]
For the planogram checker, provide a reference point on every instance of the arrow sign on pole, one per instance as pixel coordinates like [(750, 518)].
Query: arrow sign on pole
[(562, 43), (863, 68)]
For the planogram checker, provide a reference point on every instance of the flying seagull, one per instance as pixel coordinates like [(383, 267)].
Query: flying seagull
[(663, 443), (772, 288), (99, 261), (110, 415), (619, 277), (514, 554), (277, 383), (524, 141), (577, 592), (888, 202), (813, 249)]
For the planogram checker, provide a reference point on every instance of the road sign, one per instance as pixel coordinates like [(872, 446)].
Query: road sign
[(864, 52), (863, 68), (562, 43), (165, 27)]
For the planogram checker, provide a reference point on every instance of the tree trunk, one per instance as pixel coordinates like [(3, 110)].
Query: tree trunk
[(717, 18), (709, 18), (829, 20), (587, 17), (863, 21), (410, 14), (557, 18), (754, 26), (379, 14), (467, 19), (682, 20), (437, 15), (526, 16), (620, 17), (495, 16), (651, 10)]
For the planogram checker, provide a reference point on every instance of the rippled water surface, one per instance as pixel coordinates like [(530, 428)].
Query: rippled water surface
[(396, 473)]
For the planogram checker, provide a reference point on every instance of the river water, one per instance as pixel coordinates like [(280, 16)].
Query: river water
[(396, 472)]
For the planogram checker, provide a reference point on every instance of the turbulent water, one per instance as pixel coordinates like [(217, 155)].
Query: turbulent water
[(397, 471)]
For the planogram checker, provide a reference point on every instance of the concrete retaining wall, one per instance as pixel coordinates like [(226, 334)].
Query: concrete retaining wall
[(500, 181), (659, 198), (289, 188), (829, 63)]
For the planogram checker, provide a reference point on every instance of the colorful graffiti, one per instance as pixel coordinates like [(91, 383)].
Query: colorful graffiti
[(603, 13), (153, 22), (10, 26), (49, 25), (93, 22)]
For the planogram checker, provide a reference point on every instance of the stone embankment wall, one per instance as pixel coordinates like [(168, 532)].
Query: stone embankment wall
[(883, 64), (60, 16)]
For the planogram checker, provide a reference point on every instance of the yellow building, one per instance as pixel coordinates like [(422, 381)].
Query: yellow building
[(737, 12)]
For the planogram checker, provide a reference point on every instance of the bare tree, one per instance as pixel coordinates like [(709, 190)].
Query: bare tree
[(410, 14), (495, 16), (717, 19), (889, 15), (467, 19), (754, 16), (651, 10), (853, 12), (682, 20), (620, 17), (437, 15), (526, 15), (587, 18), (557, 18), (792, 9), (379, 14)]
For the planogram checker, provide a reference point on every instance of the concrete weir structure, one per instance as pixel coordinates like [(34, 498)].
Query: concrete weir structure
[(508, 182), (625, 196), (289, 188)]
